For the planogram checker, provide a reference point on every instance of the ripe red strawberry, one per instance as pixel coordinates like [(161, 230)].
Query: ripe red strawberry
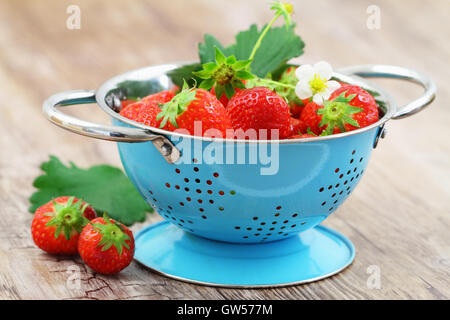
[(348, 108), (191, 106), (131, 111), (106, 246), (260, 108), (160, 97), (57, 225), (126, 103), (298, 126), (310, 118), (146, 110)]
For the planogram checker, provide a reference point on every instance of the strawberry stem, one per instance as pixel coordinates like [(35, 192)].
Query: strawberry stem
[(281, 9)]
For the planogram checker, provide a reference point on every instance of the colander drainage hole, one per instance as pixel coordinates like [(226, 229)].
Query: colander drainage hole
[(204, 217), (196, 169), (186, 180), (279, 207), (177, 171), (216, 175), (255, 218), (211, 201)]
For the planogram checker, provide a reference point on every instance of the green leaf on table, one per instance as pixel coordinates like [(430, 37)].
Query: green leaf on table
[(105, 187)]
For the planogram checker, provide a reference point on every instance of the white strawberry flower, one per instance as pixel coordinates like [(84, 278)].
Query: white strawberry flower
[(314, 81)]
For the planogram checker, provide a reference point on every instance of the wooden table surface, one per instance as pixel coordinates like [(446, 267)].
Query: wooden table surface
[(398, 217)]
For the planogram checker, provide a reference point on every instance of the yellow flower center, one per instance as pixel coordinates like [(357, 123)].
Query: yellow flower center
[(289, 8), (317, 84)]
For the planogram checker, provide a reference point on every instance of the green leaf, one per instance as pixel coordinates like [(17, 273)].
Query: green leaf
[(202, 74), (244, 75), (219, 89), (184, 73), (207, 84), (105, 187), (278, 46), (207, 51), (229, 90), (220, 57)]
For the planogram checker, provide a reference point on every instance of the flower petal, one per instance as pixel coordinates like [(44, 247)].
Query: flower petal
[(323, 69), (318, 99), (305, 72), (333, 85), (303, 90)]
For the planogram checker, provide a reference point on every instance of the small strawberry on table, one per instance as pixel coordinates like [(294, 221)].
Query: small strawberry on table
[(106, 245), (57, 225)]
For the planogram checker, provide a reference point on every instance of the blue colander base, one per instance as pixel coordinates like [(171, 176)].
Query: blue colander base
[(312, 255)]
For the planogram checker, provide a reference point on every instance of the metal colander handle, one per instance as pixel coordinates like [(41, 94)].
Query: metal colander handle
[(388, 71), (104, 132)]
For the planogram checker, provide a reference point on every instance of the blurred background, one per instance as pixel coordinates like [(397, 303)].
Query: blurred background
[(406, 190)]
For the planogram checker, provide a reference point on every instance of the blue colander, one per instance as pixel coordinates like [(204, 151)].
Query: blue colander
[(239, 213)]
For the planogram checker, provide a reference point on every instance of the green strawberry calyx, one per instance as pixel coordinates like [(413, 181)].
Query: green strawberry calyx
[(337, 112), (113, 234), (68, 217), (179, 104), (225, 74)]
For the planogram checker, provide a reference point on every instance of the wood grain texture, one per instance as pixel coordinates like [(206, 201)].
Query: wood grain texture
[(398, 217)]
